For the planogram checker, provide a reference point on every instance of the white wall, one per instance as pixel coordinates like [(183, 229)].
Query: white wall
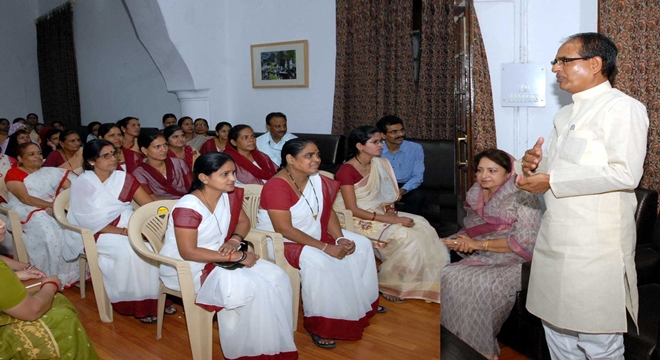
[(19, 71), (116, 75), (309, 110), (531, 31)]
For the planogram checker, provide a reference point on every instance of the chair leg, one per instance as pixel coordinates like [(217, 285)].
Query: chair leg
[(102, 301), (200, 332), (294, 277), (161, 310), (82, 263)]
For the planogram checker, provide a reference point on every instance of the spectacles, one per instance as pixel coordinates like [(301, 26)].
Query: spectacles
[(562, 61), (201, 125), (108, 156)]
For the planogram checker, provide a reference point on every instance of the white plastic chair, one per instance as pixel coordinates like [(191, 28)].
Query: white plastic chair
[(16, 230), (91, 257), (251, 199), (150, 221)]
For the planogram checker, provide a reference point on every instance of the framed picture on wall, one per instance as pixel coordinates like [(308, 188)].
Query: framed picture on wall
[(280, 65)]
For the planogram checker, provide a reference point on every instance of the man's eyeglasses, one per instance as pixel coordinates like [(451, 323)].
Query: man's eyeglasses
[(110, 155), (562, 61)]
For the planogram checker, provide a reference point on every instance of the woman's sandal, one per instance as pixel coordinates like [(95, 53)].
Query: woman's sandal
[(393, 299), (381, 309), (151, 319), (318, 342), (170, 310)]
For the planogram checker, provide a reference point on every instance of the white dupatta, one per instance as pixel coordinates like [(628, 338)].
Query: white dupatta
[(93, 205)]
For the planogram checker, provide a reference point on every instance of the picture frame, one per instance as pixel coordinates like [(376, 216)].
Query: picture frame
[(280, 65)]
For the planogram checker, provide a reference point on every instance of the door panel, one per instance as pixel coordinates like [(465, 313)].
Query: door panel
[(463, 102)]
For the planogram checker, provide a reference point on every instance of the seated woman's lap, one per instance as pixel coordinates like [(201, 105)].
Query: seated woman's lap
[(115, 254)]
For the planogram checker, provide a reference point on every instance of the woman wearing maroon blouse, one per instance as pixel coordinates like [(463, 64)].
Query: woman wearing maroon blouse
[(337, 267), (411, 252)]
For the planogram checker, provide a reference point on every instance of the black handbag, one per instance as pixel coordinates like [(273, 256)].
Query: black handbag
[(233, 265)]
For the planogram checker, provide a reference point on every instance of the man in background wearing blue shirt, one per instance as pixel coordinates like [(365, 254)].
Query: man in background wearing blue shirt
[(407, 159)]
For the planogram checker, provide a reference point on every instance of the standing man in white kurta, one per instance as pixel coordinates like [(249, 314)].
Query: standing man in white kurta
[(583, 274)]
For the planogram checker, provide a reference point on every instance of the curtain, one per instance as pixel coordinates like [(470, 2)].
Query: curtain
[(633, 26), (374, 67), (434, 109), (483, 117), (58, 73)]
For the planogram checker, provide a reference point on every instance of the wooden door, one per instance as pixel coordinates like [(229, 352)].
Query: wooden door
[(463, 101)]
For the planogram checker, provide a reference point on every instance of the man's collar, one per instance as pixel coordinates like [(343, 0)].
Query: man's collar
[(593, 92), (386, 147)]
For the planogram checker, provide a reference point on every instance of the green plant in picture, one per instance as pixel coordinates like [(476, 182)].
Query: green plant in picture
[(278, 65)]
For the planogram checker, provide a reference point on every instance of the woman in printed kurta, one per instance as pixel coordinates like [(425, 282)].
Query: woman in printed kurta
[(253, 302), (101, 201), (409, 248), (337, 267), (32, 191), (501, 226), (43, 325)]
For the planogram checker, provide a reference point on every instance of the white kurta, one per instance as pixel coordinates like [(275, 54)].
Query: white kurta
[(583, 275)]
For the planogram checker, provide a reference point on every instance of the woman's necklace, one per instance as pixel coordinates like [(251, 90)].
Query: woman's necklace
[(303, 195), (208, 204), (363, 166), (67, 159), (162, 169)]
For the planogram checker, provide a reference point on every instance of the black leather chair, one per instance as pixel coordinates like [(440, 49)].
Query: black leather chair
[(438, 185), (331, 148), (524, 333)]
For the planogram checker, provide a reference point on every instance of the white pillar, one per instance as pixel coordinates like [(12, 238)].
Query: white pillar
[(195, 103)]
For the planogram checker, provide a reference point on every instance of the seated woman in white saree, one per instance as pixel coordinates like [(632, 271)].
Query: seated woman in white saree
[(32, 191), (253, 301), (161, 176), (409, 248), (337, 267), (100, 200), (501, 225)]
